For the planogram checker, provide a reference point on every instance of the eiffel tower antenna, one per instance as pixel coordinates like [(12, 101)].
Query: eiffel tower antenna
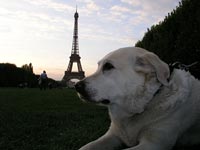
[(74, 58)]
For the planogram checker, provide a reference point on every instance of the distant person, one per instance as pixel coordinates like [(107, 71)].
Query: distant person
[(43, 80)]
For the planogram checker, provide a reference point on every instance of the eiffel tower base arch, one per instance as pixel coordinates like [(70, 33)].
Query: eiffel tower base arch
[(72, 75)]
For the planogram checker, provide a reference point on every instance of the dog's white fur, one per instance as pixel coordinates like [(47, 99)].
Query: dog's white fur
[(144, 115)]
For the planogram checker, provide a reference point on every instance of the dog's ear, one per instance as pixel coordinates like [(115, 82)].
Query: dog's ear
[(149, 63)]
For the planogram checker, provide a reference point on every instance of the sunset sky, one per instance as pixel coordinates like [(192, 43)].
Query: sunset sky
[(40, 31)]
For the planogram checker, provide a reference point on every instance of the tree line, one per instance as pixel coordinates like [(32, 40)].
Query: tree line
[(177, 37), (13, 76)]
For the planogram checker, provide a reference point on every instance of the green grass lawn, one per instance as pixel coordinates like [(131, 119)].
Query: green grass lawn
[(55, 119)]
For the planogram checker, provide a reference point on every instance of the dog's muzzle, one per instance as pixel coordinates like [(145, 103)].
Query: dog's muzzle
[(81, 89), (84, 94)]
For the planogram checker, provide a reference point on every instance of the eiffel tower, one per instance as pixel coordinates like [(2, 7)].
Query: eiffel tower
[(74, 58)]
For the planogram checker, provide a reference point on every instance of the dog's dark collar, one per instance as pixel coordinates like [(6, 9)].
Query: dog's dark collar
[(176, 65), (179, 65), (171, 69)]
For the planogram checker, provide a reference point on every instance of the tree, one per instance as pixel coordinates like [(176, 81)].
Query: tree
[(176, 38), (10, 75), (28, 68)]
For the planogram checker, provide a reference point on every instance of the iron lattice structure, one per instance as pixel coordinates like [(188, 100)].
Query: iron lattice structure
[(74, 58)]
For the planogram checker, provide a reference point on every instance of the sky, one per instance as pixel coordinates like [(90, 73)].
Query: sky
[(41, 31)]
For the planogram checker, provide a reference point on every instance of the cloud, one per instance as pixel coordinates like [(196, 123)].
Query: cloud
[(92, 6), (98, 33), (51, 4), (149, 12), (120, 9), (152, 7), (89, 6), (132, 2), (23, 22)]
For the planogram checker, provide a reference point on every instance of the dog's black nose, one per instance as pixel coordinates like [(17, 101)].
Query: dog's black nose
[(80, 87)]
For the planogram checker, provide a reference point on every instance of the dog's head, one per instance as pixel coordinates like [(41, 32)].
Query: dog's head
[(126, 78)]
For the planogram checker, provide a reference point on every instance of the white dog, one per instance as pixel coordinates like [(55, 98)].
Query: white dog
[(150, 109)]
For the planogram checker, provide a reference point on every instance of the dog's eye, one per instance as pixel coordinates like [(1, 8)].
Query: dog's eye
[(108, 66)]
